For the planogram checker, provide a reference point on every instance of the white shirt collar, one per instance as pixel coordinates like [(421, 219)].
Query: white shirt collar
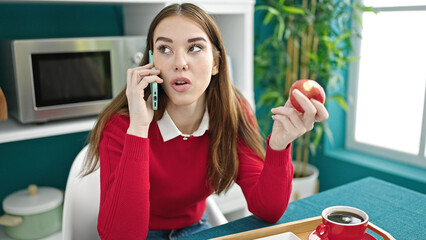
[(169, 130)]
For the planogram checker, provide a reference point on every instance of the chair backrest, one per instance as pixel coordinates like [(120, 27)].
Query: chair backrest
[(214, 213), (81, 203)]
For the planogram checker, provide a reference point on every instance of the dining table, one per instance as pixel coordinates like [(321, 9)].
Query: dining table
[(397, 210)]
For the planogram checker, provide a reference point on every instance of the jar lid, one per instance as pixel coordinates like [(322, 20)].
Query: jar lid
[(32, 201)]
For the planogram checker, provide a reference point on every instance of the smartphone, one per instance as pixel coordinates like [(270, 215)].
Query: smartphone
[(153, 86)]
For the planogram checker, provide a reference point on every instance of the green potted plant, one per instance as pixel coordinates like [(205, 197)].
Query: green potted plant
[(302, 39)]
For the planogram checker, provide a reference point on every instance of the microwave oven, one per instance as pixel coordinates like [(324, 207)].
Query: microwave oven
[(50, 79)]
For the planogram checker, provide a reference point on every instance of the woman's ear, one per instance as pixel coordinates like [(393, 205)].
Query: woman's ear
[(216, 61), (215, 68)]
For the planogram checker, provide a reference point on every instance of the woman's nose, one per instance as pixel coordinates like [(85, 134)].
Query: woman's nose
[(181, 63)]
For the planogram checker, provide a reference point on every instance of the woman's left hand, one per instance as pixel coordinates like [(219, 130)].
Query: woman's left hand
[(290, 124)]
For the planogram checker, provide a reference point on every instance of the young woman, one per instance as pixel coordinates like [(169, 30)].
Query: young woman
[(158, 167)]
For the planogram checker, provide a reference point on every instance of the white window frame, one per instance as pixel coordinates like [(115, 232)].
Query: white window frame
[(351, 143)]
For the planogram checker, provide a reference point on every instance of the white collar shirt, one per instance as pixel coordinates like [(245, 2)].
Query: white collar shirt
[(169, 130)]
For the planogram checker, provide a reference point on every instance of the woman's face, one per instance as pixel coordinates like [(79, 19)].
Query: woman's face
[(184, 54)]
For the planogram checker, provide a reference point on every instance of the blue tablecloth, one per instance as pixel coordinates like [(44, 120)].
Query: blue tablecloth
[(397, 210)]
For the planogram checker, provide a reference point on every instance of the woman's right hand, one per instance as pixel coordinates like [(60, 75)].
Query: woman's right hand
[(140, 111)]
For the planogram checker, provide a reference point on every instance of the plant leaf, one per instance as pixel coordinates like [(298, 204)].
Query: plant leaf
[(353, 59), (329, 134), (293, 10), (343, 36), (281, 27), (340, 100), (319, 130), (270, 98), (270, 10), (268, 18)]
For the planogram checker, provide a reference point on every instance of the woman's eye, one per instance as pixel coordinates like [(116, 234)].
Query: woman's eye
[(195, 48), (164, 49)]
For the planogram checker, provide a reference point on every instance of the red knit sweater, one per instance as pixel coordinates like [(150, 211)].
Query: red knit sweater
[(150, 184)]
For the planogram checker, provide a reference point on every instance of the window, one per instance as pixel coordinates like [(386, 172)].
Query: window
[(387, 86)]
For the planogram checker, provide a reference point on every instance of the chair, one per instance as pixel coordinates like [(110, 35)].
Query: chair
[(81, 204)]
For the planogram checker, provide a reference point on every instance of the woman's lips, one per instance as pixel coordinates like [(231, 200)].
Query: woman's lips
[(181, 84)]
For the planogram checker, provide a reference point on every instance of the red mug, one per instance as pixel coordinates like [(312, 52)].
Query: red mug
[(342, 223)]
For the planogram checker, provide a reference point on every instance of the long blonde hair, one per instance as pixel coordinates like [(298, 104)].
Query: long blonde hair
[(231, 118)]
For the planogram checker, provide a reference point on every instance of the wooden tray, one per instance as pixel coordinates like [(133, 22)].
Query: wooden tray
[(301, 229)]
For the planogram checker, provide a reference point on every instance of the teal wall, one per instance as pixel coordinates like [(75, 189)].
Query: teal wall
[(46, 161), (20, 21)]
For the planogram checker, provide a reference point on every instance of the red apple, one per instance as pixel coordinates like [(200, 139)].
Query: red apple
[(310, 89)]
